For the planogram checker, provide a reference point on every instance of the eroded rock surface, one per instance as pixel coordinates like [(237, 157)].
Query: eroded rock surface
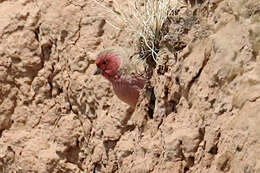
[(55, 116)]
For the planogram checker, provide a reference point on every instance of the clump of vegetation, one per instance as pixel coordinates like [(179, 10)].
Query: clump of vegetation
[(144, 19)]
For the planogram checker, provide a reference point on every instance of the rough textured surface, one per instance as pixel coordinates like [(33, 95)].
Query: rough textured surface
[(55, 116)]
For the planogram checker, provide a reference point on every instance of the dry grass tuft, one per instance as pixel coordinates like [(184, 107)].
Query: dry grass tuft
[(142, 18)]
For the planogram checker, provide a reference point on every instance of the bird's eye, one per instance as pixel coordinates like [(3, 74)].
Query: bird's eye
[(104, 63)]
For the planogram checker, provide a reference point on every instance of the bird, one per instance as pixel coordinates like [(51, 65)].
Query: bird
[(125, 73)]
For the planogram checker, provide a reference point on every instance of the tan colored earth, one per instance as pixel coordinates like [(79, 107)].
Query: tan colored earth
[(56, 117)]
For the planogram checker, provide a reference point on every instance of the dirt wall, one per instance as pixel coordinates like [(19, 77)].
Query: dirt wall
[(55, 116)]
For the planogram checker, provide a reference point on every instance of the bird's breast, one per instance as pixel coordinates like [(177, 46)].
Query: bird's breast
[(128, 90)]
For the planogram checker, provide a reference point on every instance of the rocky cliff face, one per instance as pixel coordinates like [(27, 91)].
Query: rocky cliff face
[(55, 116)]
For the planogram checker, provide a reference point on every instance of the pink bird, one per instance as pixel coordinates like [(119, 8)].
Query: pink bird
[(124, 74)]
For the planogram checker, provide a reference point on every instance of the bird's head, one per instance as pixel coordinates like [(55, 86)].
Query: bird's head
[(108, 63)]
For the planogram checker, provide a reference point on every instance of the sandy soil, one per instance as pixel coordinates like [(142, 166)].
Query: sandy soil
[(55, 116)]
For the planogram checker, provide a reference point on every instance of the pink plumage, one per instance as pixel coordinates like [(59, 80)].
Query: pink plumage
[(115, 65)]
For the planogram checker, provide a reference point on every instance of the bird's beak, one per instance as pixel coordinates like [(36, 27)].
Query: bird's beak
[(98, 71)]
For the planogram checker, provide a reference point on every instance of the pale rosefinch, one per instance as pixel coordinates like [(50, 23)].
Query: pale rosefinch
[(123, 72)]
